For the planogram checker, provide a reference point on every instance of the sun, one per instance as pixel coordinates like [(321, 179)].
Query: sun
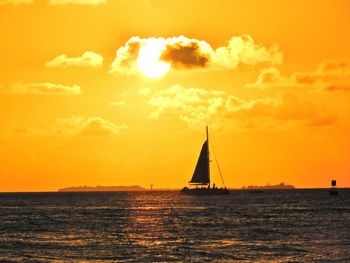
[(148, 59)]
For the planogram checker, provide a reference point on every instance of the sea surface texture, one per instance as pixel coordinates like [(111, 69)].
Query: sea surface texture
[(268, 226)]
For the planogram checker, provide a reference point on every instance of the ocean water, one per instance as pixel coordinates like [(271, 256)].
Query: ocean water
[(272, 226)]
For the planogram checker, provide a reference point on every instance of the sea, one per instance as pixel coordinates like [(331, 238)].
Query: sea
[(299, 225)]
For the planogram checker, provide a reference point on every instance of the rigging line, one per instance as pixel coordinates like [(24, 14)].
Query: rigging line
[(217, 163)]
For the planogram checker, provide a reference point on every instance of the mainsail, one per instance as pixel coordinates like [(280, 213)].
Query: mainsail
[(201, 173)]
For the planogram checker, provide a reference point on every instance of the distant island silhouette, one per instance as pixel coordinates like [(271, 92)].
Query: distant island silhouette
[(268, 186), (100, 188), (125, 188)]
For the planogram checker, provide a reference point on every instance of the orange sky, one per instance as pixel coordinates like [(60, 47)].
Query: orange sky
[(272, 81)]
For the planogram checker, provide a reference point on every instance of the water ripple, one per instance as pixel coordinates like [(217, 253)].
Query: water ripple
[(274, 226)]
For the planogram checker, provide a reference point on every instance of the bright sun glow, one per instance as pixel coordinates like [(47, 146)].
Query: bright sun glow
[(148, 60)]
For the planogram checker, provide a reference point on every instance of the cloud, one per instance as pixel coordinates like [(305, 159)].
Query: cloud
[(334, 67), (294, 108), (177, 99), (183, 53), (125, 61), (78, 2), (329, 76), (269, 77), (86, 126), (197, 107), (335, 87), (88, 59), (21, 129), (15, 2), (70, 127), (244, 50), (45, 88), (288, 109)]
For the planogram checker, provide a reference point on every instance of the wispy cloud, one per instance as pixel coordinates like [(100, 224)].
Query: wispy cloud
[(71, 127), (244, 50), (183, 52), (45, 88), (87, 59), (329, 76), (78, 2), (15, 2), (86, 126), (197, 106)]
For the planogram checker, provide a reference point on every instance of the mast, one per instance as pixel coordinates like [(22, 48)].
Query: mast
[(208, 157), (201, 172)]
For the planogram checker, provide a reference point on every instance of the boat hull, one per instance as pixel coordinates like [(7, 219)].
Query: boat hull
[(205, 191)]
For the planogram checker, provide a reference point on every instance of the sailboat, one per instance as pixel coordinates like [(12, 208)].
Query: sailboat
[(200, 182)]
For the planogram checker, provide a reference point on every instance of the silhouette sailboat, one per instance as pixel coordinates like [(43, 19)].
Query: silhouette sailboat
[(201, 176)]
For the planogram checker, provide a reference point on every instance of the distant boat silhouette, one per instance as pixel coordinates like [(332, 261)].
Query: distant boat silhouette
[(333, 190), (201, 175)]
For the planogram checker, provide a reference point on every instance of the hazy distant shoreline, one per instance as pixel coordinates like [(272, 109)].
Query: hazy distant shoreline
[(123, 188), (268, 186), (166, 189), (99, 188)]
